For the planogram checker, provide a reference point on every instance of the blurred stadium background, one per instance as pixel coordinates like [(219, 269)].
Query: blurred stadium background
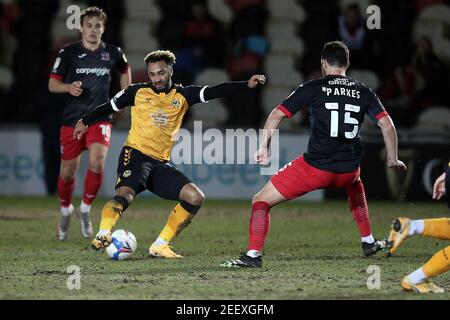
[(406, 61)]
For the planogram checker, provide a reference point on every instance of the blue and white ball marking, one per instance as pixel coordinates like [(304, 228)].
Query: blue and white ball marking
[(123, 245)]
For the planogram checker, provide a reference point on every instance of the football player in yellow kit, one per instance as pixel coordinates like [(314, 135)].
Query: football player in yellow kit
[(157, 111), (402, 228)]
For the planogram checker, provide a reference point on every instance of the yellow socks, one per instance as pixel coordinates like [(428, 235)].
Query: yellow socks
[(178, 220), (438, 264), (110, 215), (437, 228)]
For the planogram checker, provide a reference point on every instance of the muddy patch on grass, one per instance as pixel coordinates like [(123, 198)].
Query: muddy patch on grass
[(49, 272)]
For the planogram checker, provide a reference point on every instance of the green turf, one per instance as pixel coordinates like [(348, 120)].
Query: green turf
[(312, 252)]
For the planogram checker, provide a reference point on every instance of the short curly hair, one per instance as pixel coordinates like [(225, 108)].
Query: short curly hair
[(161, 55)]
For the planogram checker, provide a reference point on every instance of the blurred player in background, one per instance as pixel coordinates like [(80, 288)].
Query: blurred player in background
[(157, 111), (337, 105), (402, 228), (82, 71)]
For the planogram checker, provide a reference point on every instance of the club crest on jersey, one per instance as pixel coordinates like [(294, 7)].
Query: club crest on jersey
[(105, 56), (126, 173), (175, 103)]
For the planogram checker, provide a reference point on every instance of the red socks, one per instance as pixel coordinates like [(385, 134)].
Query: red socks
[(92, 183), (358, 205), (260, 220), (259, 225), (65, 191)]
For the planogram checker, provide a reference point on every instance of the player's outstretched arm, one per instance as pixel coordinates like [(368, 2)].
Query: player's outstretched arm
[(92, 117), (255, 80), (391, 142), (121, 100), (227, 89), (272, 123)]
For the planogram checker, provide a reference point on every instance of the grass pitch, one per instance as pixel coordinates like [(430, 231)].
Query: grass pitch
[(312, 252)]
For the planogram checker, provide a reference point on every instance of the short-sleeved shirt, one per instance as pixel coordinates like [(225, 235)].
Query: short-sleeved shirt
[(337, 106), (94, 70), (156, 117)]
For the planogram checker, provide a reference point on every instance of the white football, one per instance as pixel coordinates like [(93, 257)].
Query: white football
[(123, 245)]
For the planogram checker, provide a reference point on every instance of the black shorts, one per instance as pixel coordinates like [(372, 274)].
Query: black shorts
[(139, 172)]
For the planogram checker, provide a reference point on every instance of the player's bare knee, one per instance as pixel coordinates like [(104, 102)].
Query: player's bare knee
[(196, 198), (191, 194), (67, 174), (97, 165), (66, 177)]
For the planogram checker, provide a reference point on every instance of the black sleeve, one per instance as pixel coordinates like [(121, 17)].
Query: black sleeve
[(192, 94), (375, 109), (124, 98), (196, 94), (225, 89), (121, 100), (98, 113), (122, 63), (296, 100), (60, 66)]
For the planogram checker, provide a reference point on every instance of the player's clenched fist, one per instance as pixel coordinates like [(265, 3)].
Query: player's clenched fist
[(262, 157), (80, 130), (75, 88), (255, 80), (396, 164)]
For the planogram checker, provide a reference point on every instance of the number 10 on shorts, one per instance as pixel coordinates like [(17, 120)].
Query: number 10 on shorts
[(106, 131)]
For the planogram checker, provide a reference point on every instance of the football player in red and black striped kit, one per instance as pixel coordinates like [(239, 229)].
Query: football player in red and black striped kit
[(82, 72), (337, 105)]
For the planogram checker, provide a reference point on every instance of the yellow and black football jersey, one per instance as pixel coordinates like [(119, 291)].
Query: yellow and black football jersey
[(156, 117)]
